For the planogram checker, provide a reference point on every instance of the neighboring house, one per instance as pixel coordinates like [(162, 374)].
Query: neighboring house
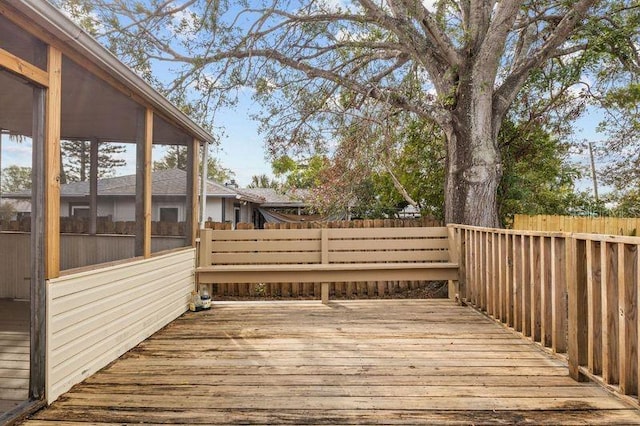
[(225, 202), (117, 199), (283, 205), (20, 208)]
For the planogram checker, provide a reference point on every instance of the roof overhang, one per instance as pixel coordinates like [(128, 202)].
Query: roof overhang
[(52, 20)]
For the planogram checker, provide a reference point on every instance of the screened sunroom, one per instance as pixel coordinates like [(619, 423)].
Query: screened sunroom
[(73, 298)]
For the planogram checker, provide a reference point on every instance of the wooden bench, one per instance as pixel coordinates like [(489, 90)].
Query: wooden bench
[(327, 255)]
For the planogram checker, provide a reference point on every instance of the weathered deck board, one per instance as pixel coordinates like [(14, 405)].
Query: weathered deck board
[(14, 353), (350, 362)]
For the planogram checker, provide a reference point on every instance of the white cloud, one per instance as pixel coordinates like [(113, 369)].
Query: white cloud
[(335, 5), (183, 24), (430, 5)]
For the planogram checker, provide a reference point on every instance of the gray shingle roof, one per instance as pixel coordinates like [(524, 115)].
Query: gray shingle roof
[(277, 198), (172, 182)]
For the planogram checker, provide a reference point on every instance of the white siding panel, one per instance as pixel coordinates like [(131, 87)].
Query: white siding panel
[(214, 209), (124, 209), (96, 316)]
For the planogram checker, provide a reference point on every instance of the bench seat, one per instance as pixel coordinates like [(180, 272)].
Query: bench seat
[(332, 272), (327, 256)]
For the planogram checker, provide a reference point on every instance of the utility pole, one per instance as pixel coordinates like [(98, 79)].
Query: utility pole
[(593, 172)]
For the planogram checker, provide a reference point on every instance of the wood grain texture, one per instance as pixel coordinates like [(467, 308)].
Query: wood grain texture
[(348, 362), (53, 111)]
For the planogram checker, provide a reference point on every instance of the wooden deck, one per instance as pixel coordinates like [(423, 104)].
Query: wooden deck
[(14, 353), (349, 362)]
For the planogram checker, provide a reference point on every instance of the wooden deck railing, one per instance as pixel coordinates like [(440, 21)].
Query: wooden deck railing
[(576, 294)]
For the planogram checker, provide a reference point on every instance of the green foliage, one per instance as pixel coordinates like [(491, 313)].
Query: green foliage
[(536, 177), (263, 181), (176, 158), (302, 174), (6, 212), (314, 65), (76, 160), (16, 178), (627, 204)]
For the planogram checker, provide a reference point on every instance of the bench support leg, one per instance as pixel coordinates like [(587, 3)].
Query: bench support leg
[(454, 291), (324, 291)]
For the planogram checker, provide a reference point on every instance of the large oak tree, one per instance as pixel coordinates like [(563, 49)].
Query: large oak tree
[(457, 63)]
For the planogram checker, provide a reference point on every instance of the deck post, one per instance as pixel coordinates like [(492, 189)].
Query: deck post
[(324, 258), (206, 239), (454, 256)]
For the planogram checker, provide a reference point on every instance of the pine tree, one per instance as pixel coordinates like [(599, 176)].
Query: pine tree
[(76, 160)]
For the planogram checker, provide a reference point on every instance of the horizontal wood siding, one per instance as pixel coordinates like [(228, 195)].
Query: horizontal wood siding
[(94, 317)]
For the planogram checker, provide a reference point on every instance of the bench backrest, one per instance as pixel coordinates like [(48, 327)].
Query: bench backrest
[(311, 246)]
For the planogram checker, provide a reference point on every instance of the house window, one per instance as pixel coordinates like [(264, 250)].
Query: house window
[(79, 210), (168, 214)]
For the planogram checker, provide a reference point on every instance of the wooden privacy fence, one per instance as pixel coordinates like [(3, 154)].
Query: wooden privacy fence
[(576, 294), (593, 225), (366, 223), (104, 225)]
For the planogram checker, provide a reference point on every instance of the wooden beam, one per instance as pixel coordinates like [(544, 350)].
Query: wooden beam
[(52, 163), (23, 68), (93, 188), (192, 207), (143, 183), (38, 292), (148, 141)]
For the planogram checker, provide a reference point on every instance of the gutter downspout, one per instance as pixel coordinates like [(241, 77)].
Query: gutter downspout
[(203, 183)]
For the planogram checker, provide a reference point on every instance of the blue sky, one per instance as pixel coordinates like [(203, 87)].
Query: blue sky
[(242, 148)]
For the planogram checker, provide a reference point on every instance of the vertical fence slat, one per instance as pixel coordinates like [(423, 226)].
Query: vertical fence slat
[(628, 330), (501, 281), (495, 254), (594, 294), (609, 302), (577, 301), (476, 255), (462, 270), (558, 296), (525, 310), (535, 282), (482, 269), (469, 268), (517, 281), (509, 288), (546, 265), (488, 283)]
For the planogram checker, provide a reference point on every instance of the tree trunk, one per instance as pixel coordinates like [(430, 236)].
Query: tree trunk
[(474, 165)]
